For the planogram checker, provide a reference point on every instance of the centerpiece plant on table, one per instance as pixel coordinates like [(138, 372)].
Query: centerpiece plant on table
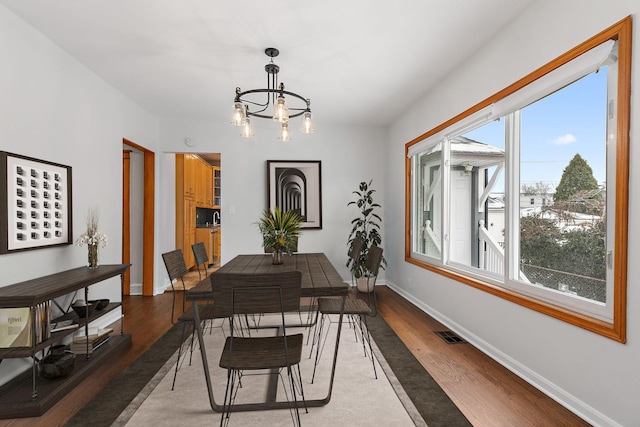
[(280, 231)]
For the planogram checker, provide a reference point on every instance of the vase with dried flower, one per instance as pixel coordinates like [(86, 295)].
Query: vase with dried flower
[(92, 238)]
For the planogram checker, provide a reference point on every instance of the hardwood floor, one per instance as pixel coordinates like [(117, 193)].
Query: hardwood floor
[(487, 393)]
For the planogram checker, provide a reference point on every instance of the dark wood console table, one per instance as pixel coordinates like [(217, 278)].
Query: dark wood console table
[(28, 395)]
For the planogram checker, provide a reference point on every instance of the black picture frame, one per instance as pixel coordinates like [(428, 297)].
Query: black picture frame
[(35, 195), (297, 185)]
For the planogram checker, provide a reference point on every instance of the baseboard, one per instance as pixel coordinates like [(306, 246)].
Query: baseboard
[(558, 394), (135, 289)]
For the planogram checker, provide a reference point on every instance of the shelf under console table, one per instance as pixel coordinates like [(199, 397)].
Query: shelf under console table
[(29, 395)]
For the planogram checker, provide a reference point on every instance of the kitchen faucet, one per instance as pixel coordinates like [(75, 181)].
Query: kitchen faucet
[(216, 218)]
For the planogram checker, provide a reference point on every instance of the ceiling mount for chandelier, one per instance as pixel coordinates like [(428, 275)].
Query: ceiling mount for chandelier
[(286, 105)]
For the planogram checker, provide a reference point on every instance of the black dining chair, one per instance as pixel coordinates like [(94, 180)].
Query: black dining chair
[(176, 269), (238, 294), (201, 257), (357, 310)]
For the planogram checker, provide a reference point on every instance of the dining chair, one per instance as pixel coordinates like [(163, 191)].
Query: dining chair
[(354, 254), (201, 257), (268, 293), (176, 269), (357, 310)]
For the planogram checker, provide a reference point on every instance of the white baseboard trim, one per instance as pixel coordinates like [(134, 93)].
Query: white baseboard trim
[(575, 405), (135, 289)]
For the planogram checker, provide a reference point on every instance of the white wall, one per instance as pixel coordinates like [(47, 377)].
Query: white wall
[(596, 377), (349, 155), (53, 108), (136, 219)]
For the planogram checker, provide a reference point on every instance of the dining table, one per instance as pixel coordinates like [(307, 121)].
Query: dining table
[(319, 279)]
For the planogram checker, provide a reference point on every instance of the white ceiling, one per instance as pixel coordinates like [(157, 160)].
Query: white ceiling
[(360, 62)]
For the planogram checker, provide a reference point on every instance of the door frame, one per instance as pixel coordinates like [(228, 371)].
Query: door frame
[(148, 237)]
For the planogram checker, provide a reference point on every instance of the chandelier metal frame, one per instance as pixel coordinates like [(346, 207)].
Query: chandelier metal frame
[(276, 93)]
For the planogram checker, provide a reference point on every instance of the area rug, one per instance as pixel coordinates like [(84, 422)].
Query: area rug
[(142, 393)]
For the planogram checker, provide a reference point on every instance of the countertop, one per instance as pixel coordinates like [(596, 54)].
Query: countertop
[(213, 227)]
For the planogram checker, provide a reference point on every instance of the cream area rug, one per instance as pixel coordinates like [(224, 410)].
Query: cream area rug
[(358, 399)]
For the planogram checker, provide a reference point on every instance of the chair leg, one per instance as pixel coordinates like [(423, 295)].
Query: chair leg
[(173, 304), (320, 342), (175, 374), (228, 397), (315, 327), (368, 338), (306, 410)]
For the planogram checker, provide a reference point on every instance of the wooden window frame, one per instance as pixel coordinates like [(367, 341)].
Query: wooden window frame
[(615, 330)]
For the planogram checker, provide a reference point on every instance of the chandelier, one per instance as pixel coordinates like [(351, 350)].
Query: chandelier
[(275, 99)]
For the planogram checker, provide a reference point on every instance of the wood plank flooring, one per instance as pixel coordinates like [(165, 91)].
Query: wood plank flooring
[(487, 393)]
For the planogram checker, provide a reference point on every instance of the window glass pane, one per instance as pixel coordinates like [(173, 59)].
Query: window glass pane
[(563, 170), (477, 214), (428, 203)]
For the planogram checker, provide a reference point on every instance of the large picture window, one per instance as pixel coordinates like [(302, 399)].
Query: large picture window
[(525, 194)]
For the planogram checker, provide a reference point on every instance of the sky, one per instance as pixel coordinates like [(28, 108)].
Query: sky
[(554, 129)]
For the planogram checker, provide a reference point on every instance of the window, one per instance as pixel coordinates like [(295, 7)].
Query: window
[(525, 194)]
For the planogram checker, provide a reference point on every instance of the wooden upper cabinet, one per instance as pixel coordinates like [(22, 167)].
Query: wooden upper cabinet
[(208, 180), (185, 175), (203, 183), (216, 187), (199, 172)]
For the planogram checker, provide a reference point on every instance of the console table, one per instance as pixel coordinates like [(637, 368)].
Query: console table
[(27, 395)]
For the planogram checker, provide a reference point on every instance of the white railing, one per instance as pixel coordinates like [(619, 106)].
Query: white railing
[(491, 254), (431, 241)]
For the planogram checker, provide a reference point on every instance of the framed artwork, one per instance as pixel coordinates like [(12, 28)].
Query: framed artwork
[(35, 199), (296, 186)]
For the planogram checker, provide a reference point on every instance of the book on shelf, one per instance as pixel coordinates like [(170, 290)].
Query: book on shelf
[(63, 325), (86, 344)]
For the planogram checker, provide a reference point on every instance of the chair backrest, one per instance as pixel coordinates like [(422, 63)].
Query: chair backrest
[(374, 259), (246, 293), (176, 268), (356, 248), (201, 257), (174, 262)]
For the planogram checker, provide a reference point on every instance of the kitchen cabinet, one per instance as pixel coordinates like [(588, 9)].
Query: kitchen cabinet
[(28, 395), (215, 251), (204, 184), (216, 187), (189, 231), (203, 235), (186, 174), (197, 183)]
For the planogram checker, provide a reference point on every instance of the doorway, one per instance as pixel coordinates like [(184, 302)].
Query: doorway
[(198, 178), (147, 202)]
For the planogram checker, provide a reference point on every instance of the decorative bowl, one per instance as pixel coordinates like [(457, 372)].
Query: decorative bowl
[(101, 304), (81, 310)]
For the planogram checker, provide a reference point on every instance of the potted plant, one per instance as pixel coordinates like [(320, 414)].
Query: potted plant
[(366, 227), (280, 231)]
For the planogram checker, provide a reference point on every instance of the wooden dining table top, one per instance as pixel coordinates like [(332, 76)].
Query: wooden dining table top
[(319, 276)]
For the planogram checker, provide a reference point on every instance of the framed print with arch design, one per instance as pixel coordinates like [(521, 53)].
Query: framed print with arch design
[(296, 186)]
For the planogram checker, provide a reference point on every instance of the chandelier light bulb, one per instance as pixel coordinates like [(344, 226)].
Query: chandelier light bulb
[(285, 135), (307, 125), (238, 114), (281, 112), (247, 132)]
